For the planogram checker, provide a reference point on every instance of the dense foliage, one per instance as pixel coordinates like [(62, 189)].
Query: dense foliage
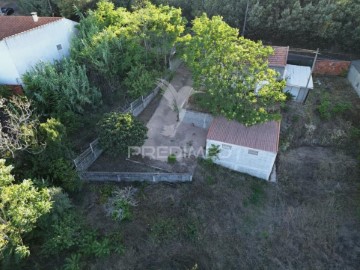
[(21, 206), (64, 8), (54, 162), (232, 72), (127, 48), (60, 90), (119, 131), (330, 24)]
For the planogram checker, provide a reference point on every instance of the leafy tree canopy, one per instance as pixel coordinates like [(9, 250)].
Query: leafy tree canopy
[(21, 206), (119, 131), (232, 72), (112, 42)]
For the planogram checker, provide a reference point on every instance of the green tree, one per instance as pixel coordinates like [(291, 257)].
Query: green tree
[(232, 72), (42, 7), (114, 43), (21, 206), (119, 131)]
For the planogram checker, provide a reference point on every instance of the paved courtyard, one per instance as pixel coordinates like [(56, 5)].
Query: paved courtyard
[(167, 135)]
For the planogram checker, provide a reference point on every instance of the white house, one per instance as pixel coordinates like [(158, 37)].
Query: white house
[(354, 76), (26, 40), (298, 81), (250, 150)]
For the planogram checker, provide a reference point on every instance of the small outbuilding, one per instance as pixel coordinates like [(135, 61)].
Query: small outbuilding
[(298, 81), (277, 61), (354, 75), (250, 150)]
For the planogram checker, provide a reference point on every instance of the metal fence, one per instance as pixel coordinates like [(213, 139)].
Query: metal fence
[(88, 157), (135, 177)]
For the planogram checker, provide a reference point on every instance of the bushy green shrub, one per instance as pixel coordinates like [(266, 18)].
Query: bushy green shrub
[(54, 162), (60, 90), (171, 159), (118, 131), (324, 108)]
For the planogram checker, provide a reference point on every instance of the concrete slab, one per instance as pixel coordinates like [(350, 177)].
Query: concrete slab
[(166, 134)]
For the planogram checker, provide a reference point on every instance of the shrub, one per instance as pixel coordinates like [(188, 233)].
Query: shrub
[(171, 159), (324, 108), (5, 91), (119, 204), (341, 107), (214, 152), (54, 163), (119, 131), (61, 89), (139, 81)]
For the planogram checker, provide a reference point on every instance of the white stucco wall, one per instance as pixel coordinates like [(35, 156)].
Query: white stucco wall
[(354, 79), (238, 158), (8, 71), (28, 48), (294, 90)]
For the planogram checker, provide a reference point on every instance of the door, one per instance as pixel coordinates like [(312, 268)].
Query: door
[(302, 94)]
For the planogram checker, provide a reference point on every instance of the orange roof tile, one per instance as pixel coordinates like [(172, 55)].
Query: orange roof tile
[(262, 136), (12, 25), (279, 58)]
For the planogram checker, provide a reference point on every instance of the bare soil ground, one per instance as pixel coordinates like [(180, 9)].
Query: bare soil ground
[(310, 219)]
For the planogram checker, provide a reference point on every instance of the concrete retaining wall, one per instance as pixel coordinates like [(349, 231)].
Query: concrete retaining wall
[(198, 119), (135, 177)]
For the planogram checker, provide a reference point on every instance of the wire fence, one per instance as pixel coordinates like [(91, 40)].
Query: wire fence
[(88, 157)]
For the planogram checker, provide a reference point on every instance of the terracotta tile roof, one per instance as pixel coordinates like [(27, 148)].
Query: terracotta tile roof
[(12, 25), (279, 58), (262, 136)]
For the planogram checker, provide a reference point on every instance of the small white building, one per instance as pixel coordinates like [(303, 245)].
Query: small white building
[(278, 60), (354, 75), (250, 150), (27, 40), (298, 81)]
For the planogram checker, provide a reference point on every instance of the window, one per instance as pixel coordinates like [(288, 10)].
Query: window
[(226, 147), (59, 47), (253, 152)]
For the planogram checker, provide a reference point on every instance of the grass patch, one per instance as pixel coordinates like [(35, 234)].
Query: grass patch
[(257, 194), (164, 229)]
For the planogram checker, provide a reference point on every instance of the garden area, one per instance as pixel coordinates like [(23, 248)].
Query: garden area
[(222, 219), (228, 220), (225, 219)]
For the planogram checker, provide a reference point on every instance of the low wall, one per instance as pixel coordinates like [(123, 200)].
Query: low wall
[(198, 119), (331, 67), (135, 177)]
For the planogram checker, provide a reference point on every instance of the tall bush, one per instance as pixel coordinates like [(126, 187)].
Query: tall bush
[(61, 89), (119, 131)]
